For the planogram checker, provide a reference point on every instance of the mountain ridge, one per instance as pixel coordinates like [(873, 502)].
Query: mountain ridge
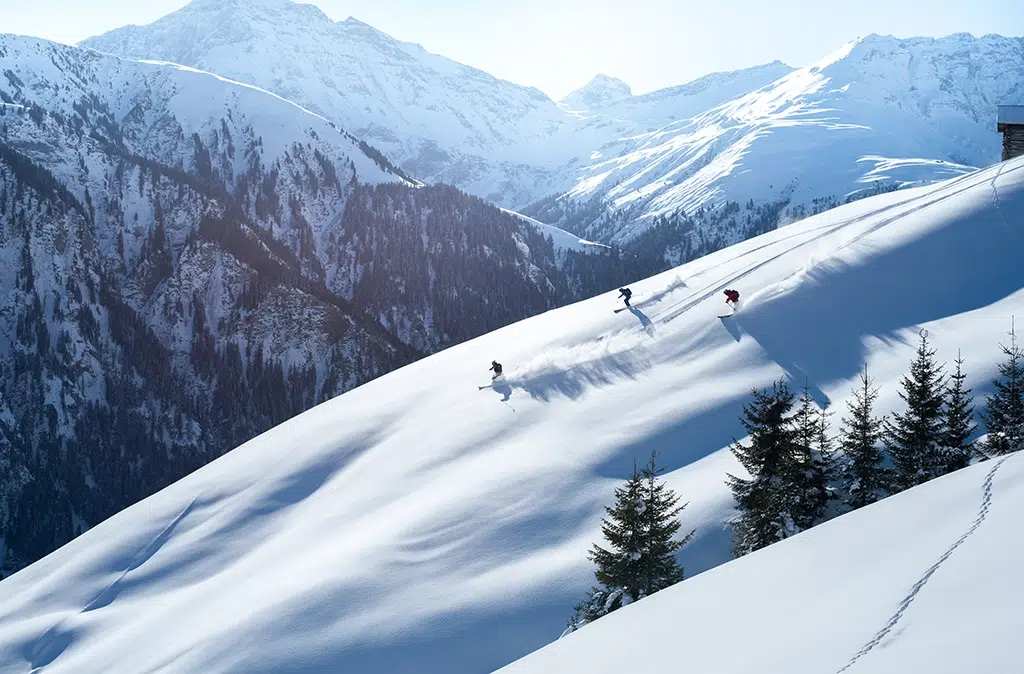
[(441, 121), (626, 169)]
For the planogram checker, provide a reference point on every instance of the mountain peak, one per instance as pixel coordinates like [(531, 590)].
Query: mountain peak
[(600, 91), (256, 8)]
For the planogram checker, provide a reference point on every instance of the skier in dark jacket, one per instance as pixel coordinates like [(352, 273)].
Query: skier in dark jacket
[(496, 366), (732, 296), (626, 293)]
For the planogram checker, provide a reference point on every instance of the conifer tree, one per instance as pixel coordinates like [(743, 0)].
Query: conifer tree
[(959, 426), (660, 521), (914, 438), (641, 556), (766, 502), (863, 478), (1004, 409), (814, 466)]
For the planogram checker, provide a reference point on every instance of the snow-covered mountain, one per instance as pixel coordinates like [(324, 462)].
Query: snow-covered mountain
[(189, 261), (879, 111), (599, 92), (429, 521), (439, 120), (877, 114), (926, 581)]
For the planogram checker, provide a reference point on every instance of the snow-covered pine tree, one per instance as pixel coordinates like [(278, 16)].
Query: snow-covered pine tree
[(1004, 409), (959, 423), (863, 478), (641, 556), (766, 504), (814, 465), (914, 438)]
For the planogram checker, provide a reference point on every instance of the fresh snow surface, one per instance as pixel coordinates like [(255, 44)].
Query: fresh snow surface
[(430, 521), (926, 581)]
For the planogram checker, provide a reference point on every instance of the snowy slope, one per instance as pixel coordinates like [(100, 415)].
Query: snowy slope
[(440, 120), (422, 523), (903, 112), (599, 92), (926, 581), (610, 98)]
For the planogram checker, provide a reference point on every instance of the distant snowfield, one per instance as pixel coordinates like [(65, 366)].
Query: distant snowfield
[(423, 523), (927, 581)]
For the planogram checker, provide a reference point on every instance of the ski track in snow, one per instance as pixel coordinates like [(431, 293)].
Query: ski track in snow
[(986, 503), (55, 641), (730, 279), (995, 200)]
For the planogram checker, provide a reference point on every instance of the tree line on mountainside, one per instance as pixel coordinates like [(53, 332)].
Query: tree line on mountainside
[(800, 475)]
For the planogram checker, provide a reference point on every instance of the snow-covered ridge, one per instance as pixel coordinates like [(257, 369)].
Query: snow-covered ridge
[(148, 97), (767, 133), (360, 536), (562, 239), (599, 92)]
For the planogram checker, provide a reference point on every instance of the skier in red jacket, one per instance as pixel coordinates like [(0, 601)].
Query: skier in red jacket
[(732, 296)]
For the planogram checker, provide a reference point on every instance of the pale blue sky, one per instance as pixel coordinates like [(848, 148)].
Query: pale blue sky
[(557, 45)]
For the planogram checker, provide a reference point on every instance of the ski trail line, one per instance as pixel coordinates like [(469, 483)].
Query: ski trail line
[(708, 291), (107, 596), (998, 204), (55, 640), (986, 502)]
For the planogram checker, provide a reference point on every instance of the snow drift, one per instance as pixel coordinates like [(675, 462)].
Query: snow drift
[(421, 522)]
